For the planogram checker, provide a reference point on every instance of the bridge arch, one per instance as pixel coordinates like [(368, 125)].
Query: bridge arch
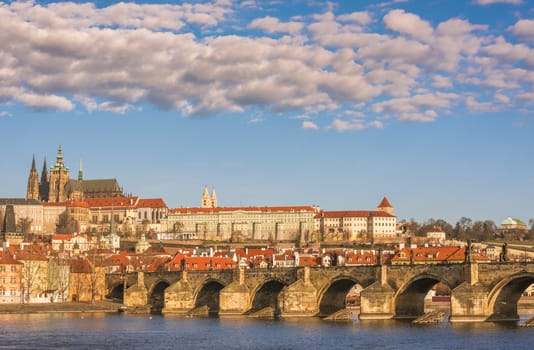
[(156, 295), (116, 292), (503, 298), (332, 297), (410, 298), (208, 295), (265, 294)]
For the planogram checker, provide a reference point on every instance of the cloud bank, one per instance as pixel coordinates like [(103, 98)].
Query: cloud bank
[(191, 58)]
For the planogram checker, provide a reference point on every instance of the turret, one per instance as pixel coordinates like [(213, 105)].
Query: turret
[(385, 206)]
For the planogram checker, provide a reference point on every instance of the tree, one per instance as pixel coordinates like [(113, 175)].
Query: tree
[(463, 228), (24, 226), (67, 224)]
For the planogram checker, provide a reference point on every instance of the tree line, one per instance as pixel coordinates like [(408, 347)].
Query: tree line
[(465, 228)]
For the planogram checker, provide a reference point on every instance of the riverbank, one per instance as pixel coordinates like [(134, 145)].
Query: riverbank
[(98, 306)]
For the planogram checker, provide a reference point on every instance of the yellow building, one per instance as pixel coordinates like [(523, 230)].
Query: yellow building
[(291, 223)]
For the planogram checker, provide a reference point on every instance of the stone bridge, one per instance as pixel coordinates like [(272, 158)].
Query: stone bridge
[(479, 292)]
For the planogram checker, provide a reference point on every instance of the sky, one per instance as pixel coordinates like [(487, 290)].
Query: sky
[(274, 103)]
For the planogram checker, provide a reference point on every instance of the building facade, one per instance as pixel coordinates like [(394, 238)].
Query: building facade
[(244, 223), (358, 225)]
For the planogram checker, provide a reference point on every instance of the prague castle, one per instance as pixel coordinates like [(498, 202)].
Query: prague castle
[(56, 202), (59, 187)]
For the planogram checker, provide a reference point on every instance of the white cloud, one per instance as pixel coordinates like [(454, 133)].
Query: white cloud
[(273, 25), (5, 114), (490, 2), (523, 28), (180, 57), (408, 23), (309, 125), (353, 125), (357, 17)]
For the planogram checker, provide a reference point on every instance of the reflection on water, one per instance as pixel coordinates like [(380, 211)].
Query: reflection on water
[(116, 331)]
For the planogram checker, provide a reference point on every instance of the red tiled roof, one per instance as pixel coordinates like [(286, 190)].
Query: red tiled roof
[(353, 214), (6, 259), (77, 204), (435, 254), (385, 203), (248, 209), (151, 203), (113, 202)]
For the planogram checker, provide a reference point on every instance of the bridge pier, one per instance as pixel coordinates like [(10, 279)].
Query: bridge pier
[(469, 299), (179, 298), (300, 298), (136, 296), (468, 303), (234, 299), (377, 300)]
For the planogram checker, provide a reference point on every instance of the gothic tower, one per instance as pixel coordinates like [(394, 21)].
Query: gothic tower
[(32, 191), (44, 184), (59, 176)]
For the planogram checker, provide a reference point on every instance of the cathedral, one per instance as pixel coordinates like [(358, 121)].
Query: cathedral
[(57, 186)]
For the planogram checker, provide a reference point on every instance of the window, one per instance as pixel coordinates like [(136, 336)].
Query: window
[(13, 268), (2, 268), (13, 280)]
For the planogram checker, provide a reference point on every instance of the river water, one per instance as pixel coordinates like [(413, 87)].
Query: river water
[(117, 331)]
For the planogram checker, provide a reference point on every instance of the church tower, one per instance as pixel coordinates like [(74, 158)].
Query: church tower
[(43, 184), (32, 191), (206, 201), (213, 199), (59, 176)]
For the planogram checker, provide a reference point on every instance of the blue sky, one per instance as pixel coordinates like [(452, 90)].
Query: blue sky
[(335, 104)]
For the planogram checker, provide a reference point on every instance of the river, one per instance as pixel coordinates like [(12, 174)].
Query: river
[(118, 331)]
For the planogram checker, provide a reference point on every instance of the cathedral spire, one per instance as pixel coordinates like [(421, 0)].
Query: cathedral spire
[(32, 191)]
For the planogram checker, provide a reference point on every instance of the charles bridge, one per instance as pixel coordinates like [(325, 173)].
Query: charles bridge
[(479, 291)]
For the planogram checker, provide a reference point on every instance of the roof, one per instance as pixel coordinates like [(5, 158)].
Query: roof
[(6, 259), (385, 203), (513, 221), (100, 185), (151, 203), (247, 209), (112, 202), (353, 214)]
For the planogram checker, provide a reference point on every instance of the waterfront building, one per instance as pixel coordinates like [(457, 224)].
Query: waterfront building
[(34, 259), (87, 281), (378, 225), (10, 278)]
